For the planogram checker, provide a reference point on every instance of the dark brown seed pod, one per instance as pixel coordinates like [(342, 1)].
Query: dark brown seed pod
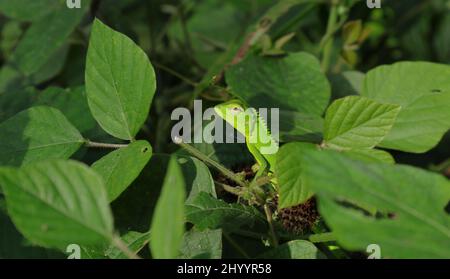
[(300, 218)]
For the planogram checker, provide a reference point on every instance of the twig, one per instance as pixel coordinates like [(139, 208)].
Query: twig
[(104, 145), (174, 73), (232, 190), (229, 174), (271, 228)]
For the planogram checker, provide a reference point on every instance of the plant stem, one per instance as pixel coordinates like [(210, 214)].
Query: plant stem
[(263, 180), (104, 145), (271, 228), (322, 237), (232, 190), (326, 45), (174, 73), (117, 241), (229, 174)]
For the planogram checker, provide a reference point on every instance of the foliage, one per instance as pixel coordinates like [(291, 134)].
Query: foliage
[(86, 156)]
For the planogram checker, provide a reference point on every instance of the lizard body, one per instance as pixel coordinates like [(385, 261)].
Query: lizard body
[(258, 138)]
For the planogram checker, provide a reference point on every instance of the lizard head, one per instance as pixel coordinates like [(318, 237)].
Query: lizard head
[(235, 113)]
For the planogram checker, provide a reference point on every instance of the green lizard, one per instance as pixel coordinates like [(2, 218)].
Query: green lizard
[(258, 138)]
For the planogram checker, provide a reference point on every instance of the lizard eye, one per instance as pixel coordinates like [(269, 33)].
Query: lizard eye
[(236, 110)]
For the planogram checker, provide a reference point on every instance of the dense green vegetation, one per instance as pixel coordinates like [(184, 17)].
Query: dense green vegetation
[(88, 167)]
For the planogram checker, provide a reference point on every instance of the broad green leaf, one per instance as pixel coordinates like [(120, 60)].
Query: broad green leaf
[(207, 212), (295, 249), (413, 221), (167, 226), (294, 82), (120, 82), (14, 101), (55, 203), (371, 155), (358, 122), (134, 206), (10, 79), (14, 246), (288, 170), (205, 244), (197, 177), (121, 167), (72, 103), (45, 37), (37, 134), (422, 89), (55, 64), (28, 10), (10, 34), (135, 241)]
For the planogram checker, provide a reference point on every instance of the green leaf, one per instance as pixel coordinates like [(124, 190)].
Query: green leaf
[(423, 91), (202, 245), (358, 122), (36, 134), (14, 101), (294, 83), (197, 177), (56, 203), (167, 226), (28, 10), (134, 207), (120, 82), (121, 167), (413, 222), (72, 103), (295, 249), (10, 34), (45, 37), (14, 246), (135, 241), (288, 170), (371, 155), (54, 65), (207, 212)]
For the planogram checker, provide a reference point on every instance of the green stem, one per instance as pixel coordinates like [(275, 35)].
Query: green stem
[(229, 174), (232, 190), (104, 145), (322, 237), (273, 235), (174, 73), (326, 45)]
